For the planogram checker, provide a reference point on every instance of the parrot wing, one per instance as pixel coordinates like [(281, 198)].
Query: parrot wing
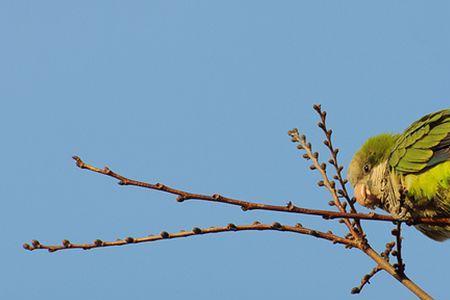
[(424, 144)]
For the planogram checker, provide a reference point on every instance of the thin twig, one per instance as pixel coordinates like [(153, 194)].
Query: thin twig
[(245, 205), (335, 163), (366, 278), (400, 265), (66, 244)]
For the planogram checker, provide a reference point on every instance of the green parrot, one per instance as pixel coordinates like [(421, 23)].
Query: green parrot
[(408, 174)]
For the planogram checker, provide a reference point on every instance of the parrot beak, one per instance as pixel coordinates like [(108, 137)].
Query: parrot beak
[(364, 196)]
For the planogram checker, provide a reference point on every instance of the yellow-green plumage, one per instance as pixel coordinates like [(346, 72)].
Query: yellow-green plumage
[(426, 185), (415, 163)]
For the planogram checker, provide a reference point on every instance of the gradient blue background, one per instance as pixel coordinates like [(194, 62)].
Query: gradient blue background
[(200, 95)]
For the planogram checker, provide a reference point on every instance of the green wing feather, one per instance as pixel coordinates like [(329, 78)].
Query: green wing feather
[(421, 155), (424, 144)]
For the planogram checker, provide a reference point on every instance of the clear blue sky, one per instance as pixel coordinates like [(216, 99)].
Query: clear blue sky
[(200, 95)]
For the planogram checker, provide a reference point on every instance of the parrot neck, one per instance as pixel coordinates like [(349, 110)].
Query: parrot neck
[(392, 199), (377, 181), (386, 186)]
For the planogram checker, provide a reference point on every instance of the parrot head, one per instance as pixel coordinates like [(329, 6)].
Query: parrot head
[(366, 171)]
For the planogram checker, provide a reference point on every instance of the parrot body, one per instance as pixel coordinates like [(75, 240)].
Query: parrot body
[(408, 174)]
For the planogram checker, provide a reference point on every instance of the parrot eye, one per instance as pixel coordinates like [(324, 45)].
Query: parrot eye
[(366, 168)]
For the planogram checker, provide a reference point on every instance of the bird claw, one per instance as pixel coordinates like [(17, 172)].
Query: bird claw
[(402, 213)]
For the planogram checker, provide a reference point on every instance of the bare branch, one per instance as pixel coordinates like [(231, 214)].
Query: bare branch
[(355, 238), (246, 205), (256, 226)]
